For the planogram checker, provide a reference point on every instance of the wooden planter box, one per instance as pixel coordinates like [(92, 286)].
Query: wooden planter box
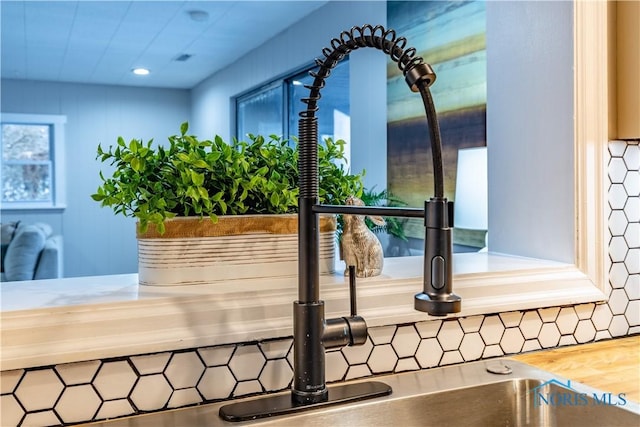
[(194, 251)]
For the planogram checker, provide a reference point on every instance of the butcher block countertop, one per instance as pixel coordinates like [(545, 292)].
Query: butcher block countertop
[(611, 366)]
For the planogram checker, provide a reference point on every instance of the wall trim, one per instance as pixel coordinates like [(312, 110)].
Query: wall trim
[(48, 322), (591, 138)]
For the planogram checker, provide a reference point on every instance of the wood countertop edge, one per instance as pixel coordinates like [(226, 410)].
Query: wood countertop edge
[(611, 365)]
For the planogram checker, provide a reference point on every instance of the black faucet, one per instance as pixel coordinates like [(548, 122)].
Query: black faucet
[(313, 334)]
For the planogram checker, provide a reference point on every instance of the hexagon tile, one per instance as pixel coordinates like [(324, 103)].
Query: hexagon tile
[(247, 362), (39, 389), (336, 366), (217, 383), (276, 375), (471, 346), (429, 353), (382, 359), (450, 335), (79, 372), (152, 392), (184, 370), (491, 330), (12, 412), (78, 403), (99, 389), (115, 380), (512, 341), (406, 341)]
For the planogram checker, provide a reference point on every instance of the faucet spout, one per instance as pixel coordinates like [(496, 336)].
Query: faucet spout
[(437, 297)]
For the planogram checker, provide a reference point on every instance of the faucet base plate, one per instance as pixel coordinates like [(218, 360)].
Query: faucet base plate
[(282, 404)]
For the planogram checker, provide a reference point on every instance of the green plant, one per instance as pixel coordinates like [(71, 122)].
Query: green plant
[(394, 226), (211, 178)]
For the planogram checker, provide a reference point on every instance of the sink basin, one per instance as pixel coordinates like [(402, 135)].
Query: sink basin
[(490, 393)]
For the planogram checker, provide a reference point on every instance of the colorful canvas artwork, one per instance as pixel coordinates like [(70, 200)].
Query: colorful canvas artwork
[(450, 36)]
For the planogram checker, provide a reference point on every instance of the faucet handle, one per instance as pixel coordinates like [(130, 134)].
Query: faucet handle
[(357, 325), (351, 330), (352, 290)]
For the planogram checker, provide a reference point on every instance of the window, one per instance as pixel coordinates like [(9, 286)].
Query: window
[(273, 108), (261, 111), (333, 114), (32, 155)]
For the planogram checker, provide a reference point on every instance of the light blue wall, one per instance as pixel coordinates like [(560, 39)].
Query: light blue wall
[(295, 48), (96, 242)]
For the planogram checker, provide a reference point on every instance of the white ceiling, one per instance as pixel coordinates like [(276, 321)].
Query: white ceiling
[(102, 41)]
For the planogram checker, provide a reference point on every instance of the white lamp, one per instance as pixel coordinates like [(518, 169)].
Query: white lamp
[(470, 207)]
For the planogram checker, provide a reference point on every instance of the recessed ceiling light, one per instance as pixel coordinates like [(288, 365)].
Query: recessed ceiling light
[(183, 57), (140, 71), (198, 15)]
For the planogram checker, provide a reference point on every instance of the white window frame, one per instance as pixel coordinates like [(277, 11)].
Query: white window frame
[(58, 187)]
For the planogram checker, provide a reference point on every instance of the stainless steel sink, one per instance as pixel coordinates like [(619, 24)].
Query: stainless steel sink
[(461, 395)]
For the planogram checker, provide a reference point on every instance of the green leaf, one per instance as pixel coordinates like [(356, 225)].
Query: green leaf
[(197, 178), (185, 177), (136, 164), (201, 164), (144, 225), (184, 127), (262, 171), (213, 156), (203, 193), (193, 193)]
